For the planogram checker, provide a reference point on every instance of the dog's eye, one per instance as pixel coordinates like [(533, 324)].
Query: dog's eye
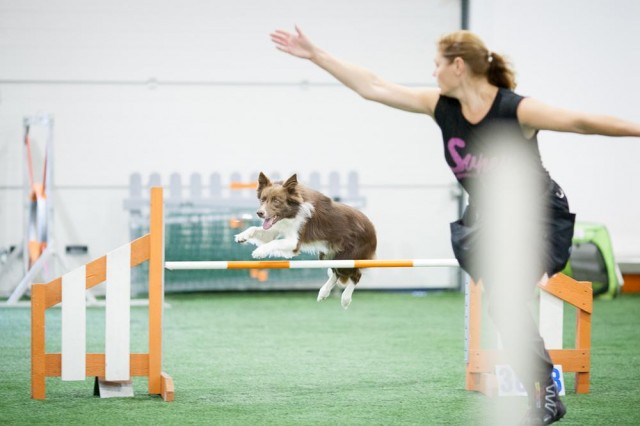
[(276, 202)]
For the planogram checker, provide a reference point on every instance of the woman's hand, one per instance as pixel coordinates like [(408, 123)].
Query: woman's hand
[(294, 44)]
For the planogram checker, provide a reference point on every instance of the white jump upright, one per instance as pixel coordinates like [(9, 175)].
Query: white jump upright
[(551, 313), (74, 334), (118, 304), (117, 329)]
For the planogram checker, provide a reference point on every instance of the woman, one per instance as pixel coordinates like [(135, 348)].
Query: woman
[(473, 103)]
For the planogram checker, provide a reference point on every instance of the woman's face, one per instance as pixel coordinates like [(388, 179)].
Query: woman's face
[(444, 74)]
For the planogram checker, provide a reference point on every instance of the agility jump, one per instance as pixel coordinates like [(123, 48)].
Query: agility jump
[(481, 362), (116, 364), (74, 364)]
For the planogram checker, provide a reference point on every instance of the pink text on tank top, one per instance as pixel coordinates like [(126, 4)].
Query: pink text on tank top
[(469, 164)]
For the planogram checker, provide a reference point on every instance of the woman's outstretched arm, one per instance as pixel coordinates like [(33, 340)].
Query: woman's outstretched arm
[(359, 79), (537, 115)]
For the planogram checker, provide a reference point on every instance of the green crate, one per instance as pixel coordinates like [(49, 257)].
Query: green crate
[(592, 260)]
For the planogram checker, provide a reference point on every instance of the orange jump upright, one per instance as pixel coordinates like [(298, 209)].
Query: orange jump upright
[(149, 247)]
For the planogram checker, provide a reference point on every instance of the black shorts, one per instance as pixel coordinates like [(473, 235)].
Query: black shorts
[(559, 225)]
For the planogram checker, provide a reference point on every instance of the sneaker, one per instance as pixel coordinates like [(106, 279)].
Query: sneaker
[(547, 407)]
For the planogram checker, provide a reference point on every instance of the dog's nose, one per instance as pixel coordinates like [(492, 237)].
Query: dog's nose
[(260, 213)]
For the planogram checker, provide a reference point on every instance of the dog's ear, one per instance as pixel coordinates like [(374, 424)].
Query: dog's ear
[(291, 183), (263, 182), (291, 186)]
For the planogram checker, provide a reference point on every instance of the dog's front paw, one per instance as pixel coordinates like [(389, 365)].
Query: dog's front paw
[(260, 253), (244, 236)]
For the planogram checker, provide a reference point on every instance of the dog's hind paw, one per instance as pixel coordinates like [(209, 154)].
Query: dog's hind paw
[(346, 295), (345, 302), (323, 294)]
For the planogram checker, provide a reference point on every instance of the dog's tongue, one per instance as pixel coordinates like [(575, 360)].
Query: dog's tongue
[(268, 223)]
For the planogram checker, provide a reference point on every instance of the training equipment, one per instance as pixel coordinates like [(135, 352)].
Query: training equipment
[(116, 364), (312, 264), (38, 248), (481, 362), (592, 260)]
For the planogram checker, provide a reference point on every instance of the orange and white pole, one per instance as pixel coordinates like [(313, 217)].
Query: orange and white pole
[(311, 264)]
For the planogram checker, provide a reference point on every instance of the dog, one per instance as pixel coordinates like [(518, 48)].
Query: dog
[(299, 219)]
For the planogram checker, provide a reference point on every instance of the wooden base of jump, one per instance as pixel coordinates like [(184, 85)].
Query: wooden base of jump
[(480, 371), (149, 247)]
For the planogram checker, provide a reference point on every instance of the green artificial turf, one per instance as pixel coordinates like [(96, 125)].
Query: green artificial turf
[(284, 359)]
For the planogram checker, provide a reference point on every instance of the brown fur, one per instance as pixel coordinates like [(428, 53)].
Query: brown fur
[(348, 232)]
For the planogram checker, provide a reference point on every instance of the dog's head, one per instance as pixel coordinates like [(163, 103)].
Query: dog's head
[(277, 200)]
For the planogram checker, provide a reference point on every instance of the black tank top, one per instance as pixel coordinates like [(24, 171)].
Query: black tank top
[(469, 149)]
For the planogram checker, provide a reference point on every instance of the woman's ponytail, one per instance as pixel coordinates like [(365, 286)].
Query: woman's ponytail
[(480, 60)]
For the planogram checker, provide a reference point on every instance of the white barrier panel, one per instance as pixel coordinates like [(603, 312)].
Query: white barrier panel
[(74, 324), (551, 320), (118, 303)]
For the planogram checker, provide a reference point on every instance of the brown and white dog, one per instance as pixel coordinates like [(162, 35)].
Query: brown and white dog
[(299, 219)]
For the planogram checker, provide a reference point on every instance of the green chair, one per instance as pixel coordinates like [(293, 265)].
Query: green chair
[(592, 260)]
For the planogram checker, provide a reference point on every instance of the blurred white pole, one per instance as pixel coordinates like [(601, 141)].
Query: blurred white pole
[(509, 203)]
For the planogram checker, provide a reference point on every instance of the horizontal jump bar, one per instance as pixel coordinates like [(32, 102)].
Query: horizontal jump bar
[(311, 264)]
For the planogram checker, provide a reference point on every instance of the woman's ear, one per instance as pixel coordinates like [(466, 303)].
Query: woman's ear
[(458, 65)]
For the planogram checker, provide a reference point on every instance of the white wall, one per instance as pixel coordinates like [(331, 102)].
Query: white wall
[(196, 86), (579, 55)]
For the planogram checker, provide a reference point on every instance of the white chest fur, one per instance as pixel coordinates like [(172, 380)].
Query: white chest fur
[(290, 229)]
